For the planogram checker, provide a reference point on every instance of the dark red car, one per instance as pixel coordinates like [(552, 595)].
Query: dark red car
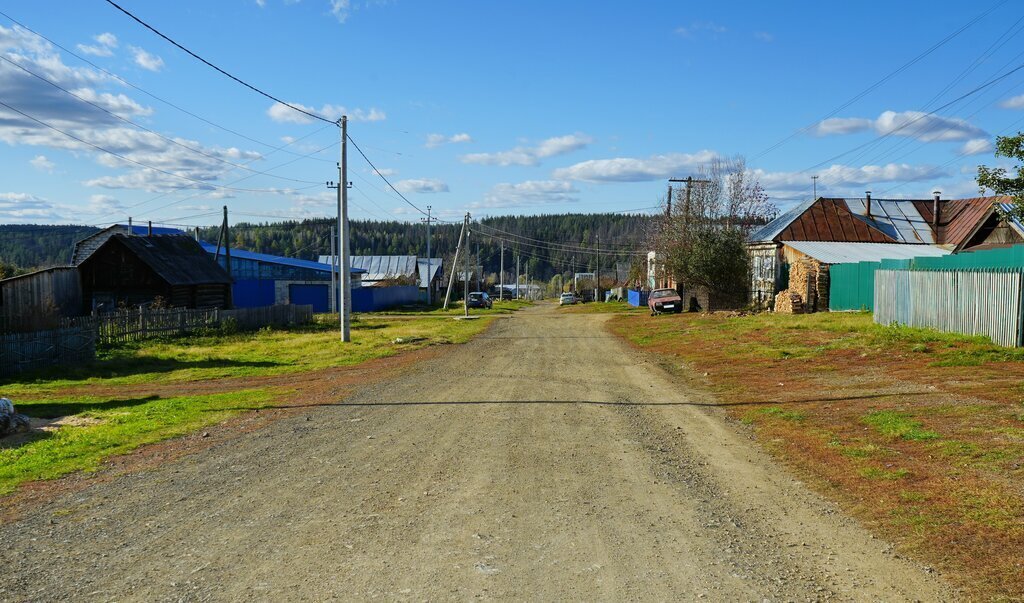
[(664, 300)]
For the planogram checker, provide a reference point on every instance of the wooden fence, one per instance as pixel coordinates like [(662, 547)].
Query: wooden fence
[(75, 340)]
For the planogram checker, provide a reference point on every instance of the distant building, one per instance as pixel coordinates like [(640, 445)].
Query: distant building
[(137, 270), (262, 279)]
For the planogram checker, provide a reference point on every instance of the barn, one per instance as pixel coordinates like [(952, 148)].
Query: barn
[(132, 271), (38, 299)]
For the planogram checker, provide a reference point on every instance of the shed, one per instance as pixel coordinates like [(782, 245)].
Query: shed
[(89, 245), (133, 271), (37, 299)]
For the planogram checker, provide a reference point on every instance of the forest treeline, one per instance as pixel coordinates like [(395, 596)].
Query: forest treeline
[(546, 245)]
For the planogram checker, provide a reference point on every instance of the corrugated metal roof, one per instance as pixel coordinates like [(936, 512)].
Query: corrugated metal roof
[(832, 220), (274, 259), (769, 231), (435, 267), (829, 252), (381, 267)]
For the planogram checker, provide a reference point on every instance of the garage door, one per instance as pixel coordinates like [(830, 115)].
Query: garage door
[(309, 295)]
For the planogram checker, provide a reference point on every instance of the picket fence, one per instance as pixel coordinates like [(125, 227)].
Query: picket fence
[(75, 340)]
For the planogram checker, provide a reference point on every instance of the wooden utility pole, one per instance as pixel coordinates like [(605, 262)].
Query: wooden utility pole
[(429, 280), (668, 203), (227, 257), (517, 276), (501, 273), (599, 298), (690, 181), (455, 262)]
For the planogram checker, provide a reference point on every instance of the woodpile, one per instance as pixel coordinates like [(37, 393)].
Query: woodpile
[(808, 288), (788, 302)]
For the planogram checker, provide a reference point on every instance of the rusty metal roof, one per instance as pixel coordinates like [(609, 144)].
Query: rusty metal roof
[(843, 253), (832, 220), (959, 218)]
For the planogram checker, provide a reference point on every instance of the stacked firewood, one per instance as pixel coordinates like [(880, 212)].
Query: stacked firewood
[(822, 285), (789, 302)]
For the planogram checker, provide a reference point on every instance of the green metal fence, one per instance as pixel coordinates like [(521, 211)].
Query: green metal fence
[(852, 286)]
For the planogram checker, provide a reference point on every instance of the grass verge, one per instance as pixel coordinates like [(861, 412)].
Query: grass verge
[(919, 433)]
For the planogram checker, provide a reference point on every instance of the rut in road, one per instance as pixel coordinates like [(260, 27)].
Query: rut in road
[(544, 460)]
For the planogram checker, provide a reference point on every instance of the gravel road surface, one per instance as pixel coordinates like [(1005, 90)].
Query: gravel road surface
[(543, 461)]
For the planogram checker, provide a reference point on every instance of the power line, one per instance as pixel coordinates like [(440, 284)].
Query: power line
[(382, 176), (145, 129), (129, 160), (218, 69), (885, 79), (154, 96)]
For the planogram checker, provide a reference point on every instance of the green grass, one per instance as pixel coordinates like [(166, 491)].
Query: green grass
[(895, 424), (120, 426), (883, 474), (779, 413), (118, 422), (265, 352)]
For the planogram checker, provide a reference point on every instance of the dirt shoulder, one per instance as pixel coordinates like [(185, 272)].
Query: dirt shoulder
[(918, 435), (544, 460)]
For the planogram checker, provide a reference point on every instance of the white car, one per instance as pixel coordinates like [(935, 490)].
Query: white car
[(567, 299)]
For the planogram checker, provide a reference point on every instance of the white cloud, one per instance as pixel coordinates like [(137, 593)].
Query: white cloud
[(1016, 102), (764, 36), (43, 164), (436, 140), (23, 208), (697, 27), (284, 114), (385, 172), (843, 125), (976, 146), (421, 185), (105, 204), (340, 9), (531, 192), (628, 169), (524, 155), (106, 43), (147, 61), (93, 126), (844, 175), (910, 124)]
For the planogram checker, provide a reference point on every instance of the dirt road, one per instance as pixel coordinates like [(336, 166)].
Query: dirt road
[(542, 461)]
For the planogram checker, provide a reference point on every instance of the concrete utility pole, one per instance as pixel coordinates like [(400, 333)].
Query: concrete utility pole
[(517, 276), (334, 283), (227, 257), (599, 298), (501, 273), (465, 275), (527, 279), (429, 281), (814, 179), (345, 265), (455, 262), (478, 263), (197, 234)]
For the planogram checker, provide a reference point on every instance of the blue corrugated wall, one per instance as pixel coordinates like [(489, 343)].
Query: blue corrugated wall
[(373, 299), (252, 293)]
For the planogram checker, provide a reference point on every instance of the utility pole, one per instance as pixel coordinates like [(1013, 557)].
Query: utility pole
[(465, 275), (429, 280), (529, 294), (478, 264), (334, 283), (501, 273), (517, 276), (345, 269), (690, 181), (814, 179), (227, 257), (668, 203), (599, 298), (197, 234), (455, 262)]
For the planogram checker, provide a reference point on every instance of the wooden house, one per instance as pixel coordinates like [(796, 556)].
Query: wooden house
[(131, 271), (38, 299)]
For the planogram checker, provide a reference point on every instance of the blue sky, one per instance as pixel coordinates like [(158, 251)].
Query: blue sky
[(490, 107)]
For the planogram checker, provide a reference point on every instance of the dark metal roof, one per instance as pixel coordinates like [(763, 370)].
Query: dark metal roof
[(179, 260)]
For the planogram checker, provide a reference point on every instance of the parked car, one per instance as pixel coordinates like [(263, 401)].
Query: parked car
[(664, 300), (479, 299), (567, 299)]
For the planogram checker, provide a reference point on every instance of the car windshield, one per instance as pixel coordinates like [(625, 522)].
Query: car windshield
[(662, 293)]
